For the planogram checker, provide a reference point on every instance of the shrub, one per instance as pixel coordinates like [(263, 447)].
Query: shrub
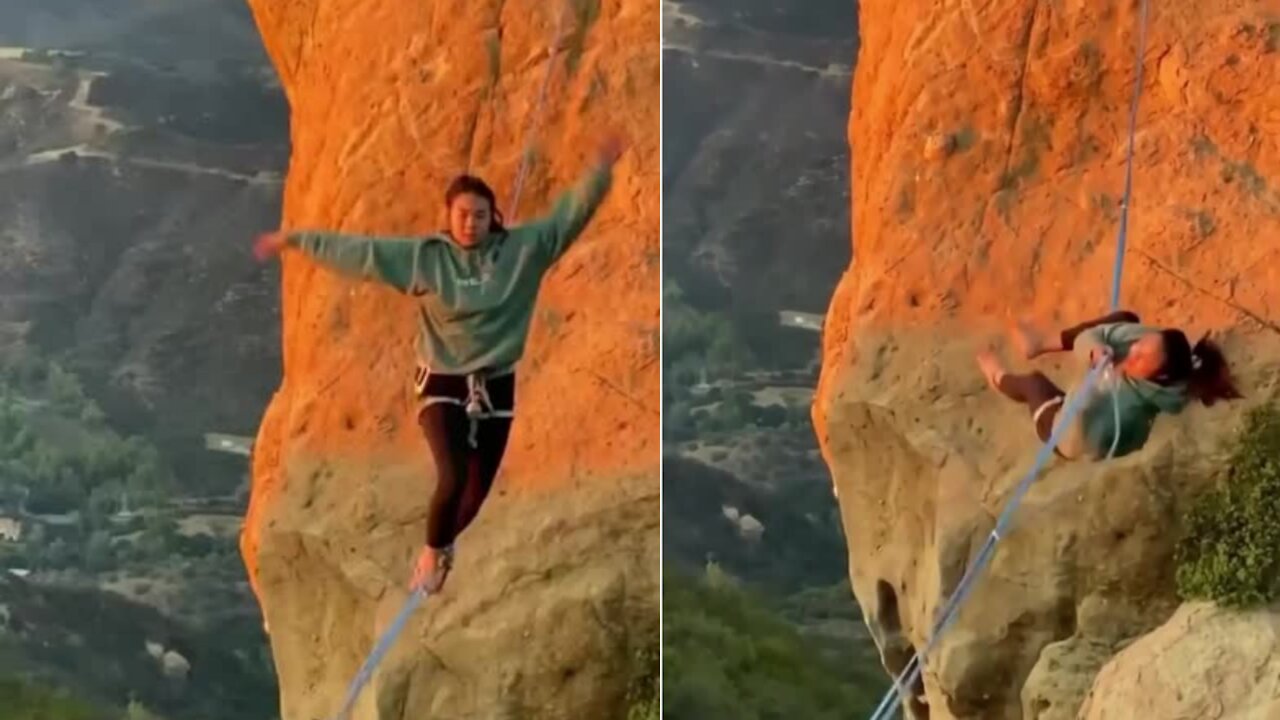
[(1230, 551), (20, 699), (643, 690)]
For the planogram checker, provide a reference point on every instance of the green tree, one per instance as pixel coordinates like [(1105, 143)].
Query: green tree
[(58, 555), (693, 340), (728, 654), (64, 391), (22, 700), (92, 415), (138, 711), (99, 555)]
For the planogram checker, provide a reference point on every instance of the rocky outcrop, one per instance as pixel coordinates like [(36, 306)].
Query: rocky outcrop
[(555, 591), (1203, 663), (988, 148)]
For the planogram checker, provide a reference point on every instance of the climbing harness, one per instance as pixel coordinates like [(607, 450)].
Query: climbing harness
[(1103, 367), (477, 404)]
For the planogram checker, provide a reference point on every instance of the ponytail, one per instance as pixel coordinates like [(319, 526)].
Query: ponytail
[(1210, 379), (1203, 368)]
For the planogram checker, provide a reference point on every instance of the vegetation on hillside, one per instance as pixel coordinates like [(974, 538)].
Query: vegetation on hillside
[(99, 508), (65, 470), (802, 546), (105, 647), (234, 107), (789, 641), (728, 654), (1230, 551), (23, 700), (710, 347)]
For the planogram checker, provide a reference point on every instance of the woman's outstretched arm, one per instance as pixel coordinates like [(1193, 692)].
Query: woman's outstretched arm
[(574, 208), (1034, 343), (407, 264)]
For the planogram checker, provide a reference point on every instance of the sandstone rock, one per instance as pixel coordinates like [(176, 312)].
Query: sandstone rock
[(938, 146), (555, 590), (1204, 662), (1024, 220), (1062, 676)]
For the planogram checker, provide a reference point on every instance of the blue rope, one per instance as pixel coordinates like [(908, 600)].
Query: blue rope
[(527, 151), (1118, 270), (911, 672), (379, 650)]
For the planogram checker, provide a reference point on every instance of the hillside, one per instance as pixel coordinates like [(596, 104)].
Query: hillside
[(142, 145), (754, 174), (112, 651), (756, 215), (146, 290)]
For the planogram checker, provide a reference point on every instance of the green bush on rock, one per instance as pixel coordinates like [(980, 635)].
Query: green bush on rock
[(1230, 551)]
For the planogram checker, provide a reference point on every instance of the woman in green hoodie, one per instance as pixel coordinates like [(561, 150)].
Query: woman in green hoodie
[(475, 284), (1155, 370)]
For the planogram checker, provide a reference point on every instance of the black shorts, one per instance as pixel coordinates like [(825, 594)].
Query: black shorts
[(434, 388)]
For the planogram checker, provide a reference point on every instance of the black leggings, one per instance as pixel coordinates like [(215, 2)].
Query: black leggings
[(464, 474), (1034, 389)]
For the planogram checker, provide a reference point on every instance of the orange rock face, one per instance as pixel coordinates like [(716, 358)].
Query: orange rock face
[(555, 589), (988, 162)]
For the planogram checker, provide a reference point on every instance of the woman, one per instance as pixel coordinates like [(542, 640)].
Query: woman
[(1155, 371), (476, 284)]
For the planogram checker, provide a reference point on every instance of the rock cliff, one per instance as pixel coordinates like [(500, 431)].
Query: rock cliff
[(554, 598), (988, 145)]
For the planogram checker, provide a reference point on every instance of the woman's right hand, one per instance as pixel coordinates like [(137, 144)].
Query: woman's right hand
[(268, 245)]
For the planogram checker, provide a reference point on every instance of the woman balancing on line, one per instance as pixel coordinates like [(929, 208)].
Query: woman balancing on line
[(475, 284), (1155, 370)]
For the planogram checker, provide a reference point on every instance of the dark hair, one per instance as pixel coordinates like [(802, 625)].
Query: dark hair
[(1203, 368), (472, 185)]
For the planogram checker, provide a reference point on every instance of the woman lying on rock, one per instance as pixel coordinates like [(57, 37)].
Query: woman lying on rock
[(475, 284), (1155, 371)]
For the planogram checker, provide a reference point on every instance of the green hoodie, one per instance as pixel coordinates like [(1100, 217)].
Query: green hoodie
[(474, 304), (1140, 400)]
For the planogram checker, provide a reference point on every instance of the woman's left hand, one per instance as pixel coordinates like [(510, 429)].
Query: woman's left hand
[(268, 245), (611, 148)]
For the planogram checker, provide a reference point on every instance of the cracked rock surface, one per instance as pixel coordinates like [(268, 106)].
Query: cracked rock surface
[(988, 166), (554, 595)]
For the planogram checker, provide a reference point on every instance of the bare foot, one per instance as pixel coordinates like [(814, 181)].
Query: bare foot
[(431, 569), (992, 368), (1028, 339)]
